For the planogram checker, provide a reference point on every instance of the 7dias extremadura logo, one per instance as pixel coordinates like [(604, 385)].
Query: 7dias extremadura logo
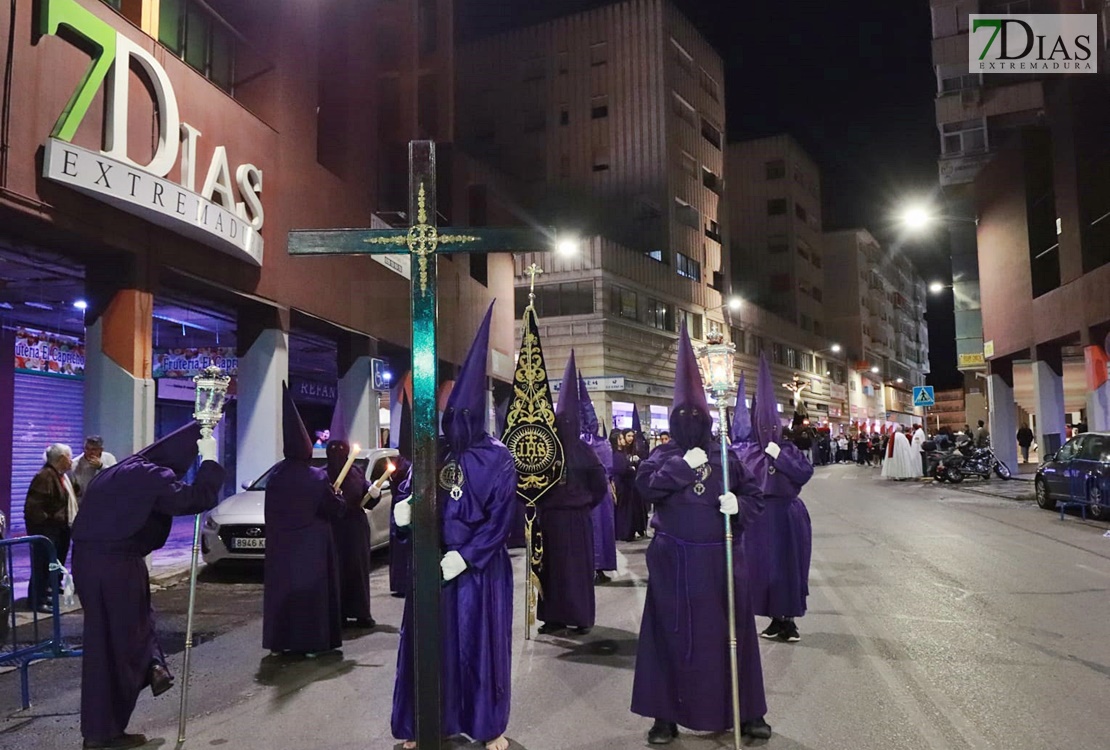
[(1047, 43)]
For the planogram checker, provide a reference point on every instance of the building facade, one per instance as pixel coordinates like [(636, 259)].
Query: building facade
[(774, 229), (612, 123), (146, 210), (876, 310)]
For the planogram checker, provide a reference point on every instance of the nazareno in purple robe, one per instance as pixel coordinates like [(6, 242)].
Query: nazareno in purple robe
[(476, 608), (604, 513), (682, 662), (127, 513), (778, 543), (300, 597), (629, 506), (400, 542), (352, 542)]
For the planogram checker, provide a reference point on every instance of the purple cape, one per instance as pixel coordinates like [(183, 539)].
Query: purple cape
[(126, 514), (352, 541), (778, 543), (603, 516), (567, 573), (682, 663), (300, 596), (476, 608)]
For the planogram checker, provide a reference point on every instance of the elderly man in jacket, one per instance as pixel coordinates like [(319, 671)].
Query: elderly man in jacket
[(46, 513)]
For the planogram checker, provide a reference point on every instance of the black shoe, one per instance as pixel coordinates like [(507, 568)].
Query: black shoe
[(600, 578), (757, 729), (774, 630), (366, 623), (551, 628), (160, 679), (124, 740), (45, 609), (662, 732), (789, 632)]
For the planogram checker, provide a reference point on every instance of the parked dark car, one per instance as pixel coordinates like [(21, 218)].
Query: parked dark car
[(1078, 472)]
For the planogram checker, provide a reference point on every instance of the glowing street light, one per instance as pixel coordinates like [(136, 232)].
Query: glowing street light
[(835, 348), (81, 304), (916, 218), (567, 246), (875, 370), (734, 303)]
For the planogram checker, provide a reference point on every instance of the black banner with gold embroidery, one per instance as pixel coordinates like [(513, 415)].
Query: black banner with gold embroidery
[(531, 437)]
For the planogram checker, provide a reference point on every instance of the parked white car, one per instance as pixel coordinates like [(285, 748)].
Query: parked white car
[(236, 528)]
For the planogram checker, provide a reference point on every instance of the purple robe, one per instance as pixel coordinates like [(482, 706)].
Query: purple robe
[(682, 663), (778, 543), (476, 608), (352, 541), (300, 596), (125, 515), (518, 537), (603, 515), (565, 514), (400, 542)]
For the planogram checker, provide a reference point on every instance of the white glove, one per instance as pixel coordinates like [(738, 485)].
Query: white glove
[(773, 450), (695, 457), (452, 564), (402, 513), (206, 446), (374, 492), (730, 506)]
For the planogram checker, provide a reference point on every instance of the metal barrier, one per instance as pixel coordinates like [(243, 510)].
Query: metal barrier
[(23, 651)]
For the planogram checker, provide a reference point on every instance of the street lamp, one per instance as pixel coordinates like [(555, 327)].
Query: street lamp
[(916, 217), (716, 360), (567, 246), (875, 369)]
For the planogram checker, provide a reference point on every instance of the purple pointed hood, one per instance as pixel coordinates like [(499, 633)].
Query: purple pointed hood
[(464, 419), (176, 451), (568, 421), (586, 411), (404, 432), (766, 427), (296, 444), (741, 417), (339, 447), (691, 423)]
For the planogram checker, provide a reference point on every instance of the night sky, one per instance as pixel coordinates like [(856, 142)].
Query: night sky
[(853, 82)]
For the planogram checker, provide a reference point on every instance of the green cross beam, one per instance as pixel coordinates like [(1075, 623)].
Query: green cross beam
[(423, 241)]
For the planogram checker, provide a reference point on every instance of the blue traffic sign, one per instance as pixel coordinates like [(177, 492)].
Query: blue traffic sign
[(923, 395)]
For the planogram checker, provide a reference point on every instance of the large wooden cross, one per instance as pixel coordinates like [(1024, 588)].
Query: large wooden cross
[(422, 241)]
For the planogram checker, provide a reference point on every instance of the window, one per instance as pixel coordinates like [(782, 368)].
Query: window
[(711, 180), (755, 345), (200, 38), (685, 111), (623, 303), (816, 259), (130, 11), (713, 230), (775, 170), (693, 323), (818, 328), (958, 79), (684, 59), (736, 336), (1006, 6), (687, 267), (711, 133), (791, 357), (778, 353), (688, 164), (709, 85), (599, 54), (656, 255), (564, 116), (659, 314), (800, 211), (817, 294), (967, 137), (803, 321), (806, 362), (601, 158), (776, 207), (686, 214), (599, 107), (568, 298)]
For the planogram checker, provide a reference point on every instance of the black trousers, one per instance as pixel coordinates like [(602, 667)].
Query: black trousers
[(58, 533)]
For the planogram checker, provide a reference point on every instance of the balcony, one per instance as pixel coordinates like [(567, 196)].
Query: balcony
[(990, 100)]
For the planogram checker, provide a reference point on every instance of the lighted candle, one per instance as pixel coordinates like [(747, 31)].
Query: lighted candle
[(346, 467), (389, 469)]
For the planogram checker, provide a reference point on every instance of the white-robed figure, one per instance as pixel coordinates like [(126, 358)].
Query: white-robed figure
[(918, 442), (901, 460)]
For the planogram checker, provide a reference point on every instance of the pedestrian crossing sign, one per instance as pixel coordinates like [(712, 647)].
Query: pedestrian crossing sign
[(923, 395)]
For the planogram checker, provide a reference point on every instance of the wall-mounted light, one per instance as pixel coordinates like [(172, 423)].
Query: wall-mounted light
[(81, 304)]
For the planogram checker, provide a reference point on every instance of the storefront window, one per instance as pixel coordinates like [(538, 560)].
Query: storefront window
[(200, 38)]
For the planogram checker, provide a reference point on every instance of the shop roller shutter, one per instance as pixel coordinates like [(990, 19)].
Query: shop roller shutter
[(47, 410)]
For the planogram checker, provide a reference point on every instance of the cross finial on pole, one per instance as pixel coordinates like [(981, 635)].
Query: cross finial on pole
[(533, 271)]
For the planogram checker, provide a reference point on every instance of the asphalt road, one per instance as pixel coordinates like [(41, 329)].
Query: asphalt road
[(938, 619)]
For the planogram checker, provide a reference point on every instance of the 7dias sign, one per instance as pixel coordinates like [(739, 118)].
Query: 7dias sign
[(1047, 43), (212, 215)]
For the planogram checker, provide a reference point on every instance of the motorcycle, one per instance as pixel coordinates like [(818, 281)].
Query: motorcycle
[(967, 461)]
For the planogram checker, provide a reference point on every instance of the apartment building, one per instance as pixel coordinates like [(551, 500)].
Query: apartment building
[(774, 229), (612, 123), (876, 310)]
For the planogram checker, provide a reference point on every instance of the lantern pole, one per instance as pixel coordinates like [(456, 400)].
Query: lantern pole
[(717, 361)]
